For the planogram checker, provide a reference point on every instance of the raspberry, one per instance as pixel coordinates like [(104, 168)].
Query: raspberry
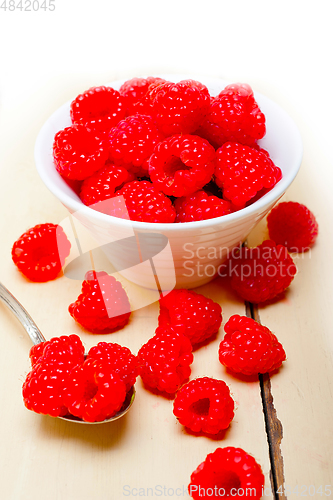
[(179, 108), (228, 472), (200, 206), (212, 133), (103, 305), (204, 404), (43, 389), (78, 152), (249, 347), (40, 252), (132, 142), (103, 184), (52, 361), (120, 360), (94, 392), (135, 91), (145, 203), (145, 105), (164, 361), (242, 172), (36, 352), (99, 108), (293, 225), (234, 116), (191, 314), (182, 164), (64, 349), (261, 273)]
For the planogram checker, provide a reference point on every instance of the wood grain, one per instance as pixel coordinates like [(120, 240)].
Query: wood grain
[(273, 425), (301, 390)]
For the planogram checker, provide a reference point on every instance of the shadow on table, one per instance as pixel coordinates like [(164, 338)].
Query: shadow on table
[(101, 436), (214, 437)]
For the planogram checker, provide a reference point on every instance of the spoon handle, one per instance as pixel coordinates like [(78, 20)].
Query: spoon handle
[(22, 315)]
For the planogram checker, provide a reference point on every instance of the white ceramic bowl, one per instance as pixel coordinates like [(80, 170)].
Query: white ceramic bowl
[(184, 255)]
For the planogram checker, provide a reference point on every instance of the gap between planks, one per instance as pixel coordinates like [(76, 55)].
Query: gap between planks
[(273, 425)]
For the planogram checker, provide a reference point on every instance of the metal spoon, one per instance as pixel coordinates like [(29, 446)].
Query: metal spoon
[(37, 337)]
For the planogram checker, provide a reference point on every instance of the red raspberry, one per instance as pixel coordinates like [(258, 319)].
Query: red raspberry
[(212, 189), (135, 91), (182, 164), (164, 361), (234, 116), (145, 105), (36, 352), (40, 252), (120, 360), (204, 405), (67, 347), (43, 389), (249, 347), (261, 273), (103, 305), (94, 392), (228, 472), (78, 152), (179, 108), (191, 314), (103, 184), (200, 206), (212, 133), (293, 225), (99, 108), (242, 172), (145, 203), (132, 142)]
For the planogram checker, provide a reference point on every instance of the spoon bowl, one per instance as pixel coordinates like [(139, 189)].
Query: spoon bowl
[(37, 337), (123, 410)]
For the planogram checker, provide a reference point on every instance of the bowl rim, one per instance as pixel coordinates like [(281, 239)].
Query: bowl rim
[(258, 206)]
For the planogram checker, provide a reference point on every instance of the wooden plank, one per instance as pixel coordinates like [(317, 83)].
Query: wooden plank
[(301, 320), (274, 429)]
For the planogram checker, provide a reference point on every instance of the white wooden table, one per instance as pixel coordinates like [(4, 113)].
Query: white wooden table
[(284, 52)]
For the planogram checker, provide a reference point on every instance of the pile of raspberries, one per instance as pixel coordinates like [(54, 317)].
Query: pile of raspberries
[(174, 152), (63, 381)]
